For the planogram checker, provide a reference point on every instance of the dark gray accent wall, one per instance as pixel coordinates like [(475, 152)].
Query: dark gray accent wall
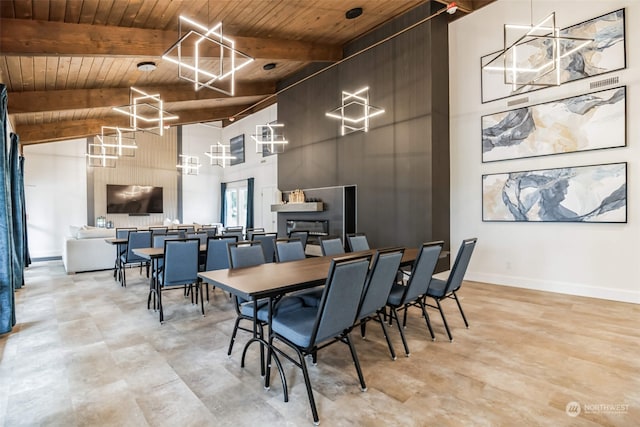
[(401, 166)]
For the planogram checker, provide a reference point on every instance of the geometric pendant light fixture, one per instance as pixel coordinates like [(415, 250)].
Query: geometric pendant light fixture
[(532, 54), (122, 140), (189, 165), (219, 155), (146, 112), (205, 57), (269, 138), (355, 111), (100, 156)]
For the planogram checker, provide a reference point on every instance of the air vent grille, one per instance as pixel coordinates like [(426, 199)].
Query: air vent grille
[(605, 82)]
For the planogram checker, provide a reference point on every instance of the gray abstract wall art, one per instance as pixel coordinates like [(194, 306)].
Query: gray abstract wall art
[(575, 194), (605, 54), (586, 122)]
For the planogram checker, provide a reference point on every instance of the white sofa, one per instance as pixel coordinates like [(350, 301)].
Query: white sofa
[(86, 250)]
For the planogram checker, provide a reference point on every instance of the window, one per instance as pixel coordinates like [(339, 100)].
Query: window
[(236, 203)]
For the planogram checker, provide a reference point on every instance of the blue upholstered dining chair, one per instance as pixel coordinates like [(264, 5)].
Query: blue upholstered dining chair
[(241, 255), (331, 245), (135, 240), (290, 249), (381, 278), (442, 289), (357, 242), (308, 329), (251, 231), (402, 297), (180, 269), (217, 256), (267, 240), (303, 235), (121, 233)]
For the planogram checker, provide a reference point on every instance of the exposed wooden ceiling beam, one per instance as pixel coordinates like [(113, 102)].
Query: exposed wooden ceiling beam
[(71, 129), (72, 99), (31, 37)]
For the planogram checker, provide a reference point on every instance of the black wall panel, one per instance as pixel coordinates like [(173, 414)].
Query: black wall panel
[(401, 166)]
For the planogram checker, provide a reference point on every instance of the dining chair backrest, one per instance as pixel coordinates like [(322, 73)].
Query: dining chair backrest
[(251, 231), (303, 235), (456, 275), (158, 239), (331, 245), (198, 235), (210, 230), (357, 242), (217, 252), (158, 230), (380, 279), (423, 267), (289, 250), (267, 240), (237, 233), (136, 240), (180, 261), (245, 254), (341, 297), (123, 233), (187, 228)]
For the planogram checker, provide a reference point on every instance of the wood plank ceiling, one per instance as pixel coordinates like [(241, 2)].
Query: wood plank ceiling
[(66, 63)]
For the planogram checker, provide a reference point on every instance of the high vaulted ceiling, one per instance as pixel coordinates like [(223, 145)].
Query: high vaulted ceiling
[(66, 63)]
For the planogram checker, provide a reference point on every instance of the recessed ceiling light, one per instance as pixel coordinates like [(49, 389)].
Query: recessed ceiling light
[(146, 66), (269, 66), (353, 13)]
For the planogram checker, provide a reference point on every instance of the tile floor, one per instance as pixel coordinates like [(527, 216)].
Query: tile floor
[(87, 352)]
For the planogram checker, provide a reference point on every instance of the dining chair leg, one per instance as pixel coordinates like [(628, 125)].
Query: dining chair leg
[(307, 383), (159, 292), (233, 335), (444, 320), (426, 318), (363, 328), (199, 290), (394, 313), (386, 336), (356, 362), (466, 324)]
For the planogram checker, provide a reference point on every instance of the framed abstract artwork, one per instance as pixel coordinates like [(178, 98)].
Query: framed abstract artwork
[(606, 53), (586, 122), (595, 193), (236, 148)]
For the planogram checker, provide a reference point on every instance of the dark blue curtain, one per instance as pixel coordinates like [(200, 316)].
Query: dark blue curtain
[(250, 185), (223, 202), (25, 237), (17, 214), (7, 280)]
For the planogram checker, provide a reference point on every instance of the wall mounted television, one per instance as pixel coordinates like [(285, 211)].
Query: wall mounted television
[(134, 199)]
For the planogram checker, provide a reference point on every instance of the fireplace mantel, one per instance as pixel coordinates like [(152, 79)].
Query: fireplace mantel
[(298, 207)]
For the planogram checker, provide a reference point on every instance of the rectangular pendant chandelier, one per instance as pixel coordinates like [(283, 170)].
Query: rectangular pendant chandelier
[(121, 139), (219, 155), (355, 111), (146, 112), (189, 165), (270, 138), (532, 54), (99, 156), (206, 58)]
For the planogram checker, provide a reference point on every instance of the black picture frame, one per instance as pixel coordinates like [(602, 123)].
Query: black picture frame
[(236, 149)]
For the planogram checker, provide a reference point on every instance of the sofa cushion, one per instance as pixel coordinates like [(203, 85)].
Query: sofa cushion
[(93, 233)]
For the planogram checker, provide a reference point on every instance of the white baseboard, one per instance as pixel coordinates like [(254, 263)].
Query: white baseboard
[(578, 289)]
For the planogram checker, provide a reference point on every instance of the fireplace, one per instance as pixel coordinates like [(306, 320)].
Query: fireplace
[(316, 228)]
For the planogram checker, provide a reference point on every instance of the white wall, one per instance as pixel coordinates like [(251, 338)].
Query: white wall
[(201, 193), (263, 169), (55, 193), (598, 260)]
